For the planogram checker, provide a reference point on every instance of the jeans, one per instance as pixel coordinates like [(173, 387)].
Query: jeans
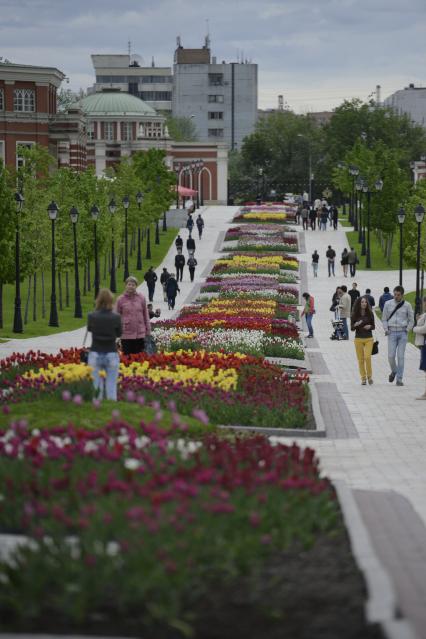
[(345, 327), (315, 268), (352, 269), (397, 341), (151, 289), (363, 348), (179, 273), (109, 363), (308, 317), (330, 267), (171, 301), (305, 223), (191, 274)]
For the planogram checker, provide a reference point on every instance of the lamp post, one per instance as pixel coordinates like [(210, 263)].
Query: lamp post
[(94, 212), (201, 183), (157, 221), (378, 186), (419, 212), (401, 219), (300, 135), (126, 204), (112, 282), (17, 316), (177, 171), (77, 299), (139, 200), (52, 210), (354, 172), (358, 187)]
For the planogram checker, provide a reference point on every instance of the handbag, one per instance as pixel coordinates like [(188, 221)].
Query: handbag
[(150, 347), (375, 348), (84, 353)]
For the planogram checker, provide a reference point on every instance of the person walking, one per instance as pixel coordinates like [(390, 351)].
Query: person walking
[(179, 264), (191, 263), (179, 243), (335, 300), (334, 214), (354, 293), (315, 260), (190, 245), (305, 198), (163, 281), (397, 320), (385, 297), (353, 261), (150, 278), (420, 341), (308, 312), (172, 289), (132, 307), (200, 225), (345, 309), (323, 218), (362, 322), (344, 262), (105, 326), (313, 218), (331, 256), (370, 298), (305, 216), (190, 224)]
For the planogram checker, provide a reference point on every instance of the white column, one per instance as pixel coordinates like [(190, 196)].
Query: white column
[(98, 130), (118, 124), (222, 174)]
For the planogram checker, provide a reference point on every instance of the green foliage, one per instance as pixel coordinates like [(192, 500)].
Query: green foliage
[(7, 226), (410, 228), (182, 129)]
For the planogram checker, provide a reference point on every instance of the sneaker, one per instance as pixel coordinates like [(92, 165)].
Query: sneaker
[(422, 396), (392, 377), (399, 382), (370, 380), (364, 382)]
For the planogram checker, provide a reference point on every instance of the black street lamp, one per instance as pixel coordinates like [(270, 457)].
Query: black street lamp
[(94, 212), (52, 210), (419, 212), (17, 316), (354, 172), (157, 222), (77, 299), (201, 183), (126, 204), (112, 282), (378, 186), (177, 171), (361, 216), (139, 200), (401, 219), (148, 243)]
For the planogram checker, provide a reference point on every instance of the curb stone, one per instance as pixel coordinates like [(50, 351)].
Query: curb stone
[(381, 606)]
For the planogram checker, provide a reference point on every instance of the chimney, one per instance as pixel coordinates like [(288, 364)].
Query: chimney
[(378, 96)]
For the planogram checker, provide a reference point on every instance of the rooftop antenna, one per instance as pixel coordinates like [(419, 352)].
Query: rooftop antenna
[(129, 47), (207, 39), (153, 62), (178, 42)]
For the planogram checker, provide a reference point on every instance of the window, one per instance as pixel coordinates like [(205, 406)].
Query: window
[(216, 98), (153, 130), (126, 131), (109, 131), (215, 133), (91, 131), (24, 100), (215, 115), (152, 79), (216, 79), (20, 161), (1, 100)]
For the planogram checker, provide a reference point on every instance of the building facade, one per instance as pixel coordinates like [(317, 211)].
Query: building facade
[(221, 99), (27, 108), (411, 100), (152, 84)]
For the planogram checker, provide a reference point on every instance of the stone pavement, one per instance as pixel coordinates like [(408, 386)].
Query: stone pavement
[(216, 219)]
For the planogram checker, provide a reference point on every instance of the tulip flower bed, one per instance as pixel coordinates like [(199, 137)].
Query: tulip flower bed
[(256, 263), (256, 283), (258, 238), (133, 532), (277, 214)]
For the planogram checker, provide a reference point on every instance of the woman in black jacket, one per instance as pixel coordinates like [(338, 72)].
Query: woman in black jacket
[(172, 288), (362, 322)]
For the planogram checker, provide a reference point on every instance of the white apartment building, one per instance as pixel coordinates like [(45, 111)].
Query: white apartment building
[(123, 72), (410, 100)]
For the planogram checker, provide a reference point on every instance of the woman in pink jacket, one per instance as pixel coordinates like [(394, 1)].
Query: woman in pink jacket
[(134, 318)]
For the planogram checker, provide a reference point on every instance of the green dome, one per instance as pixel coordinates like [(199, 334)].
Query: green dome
[(114, 102)]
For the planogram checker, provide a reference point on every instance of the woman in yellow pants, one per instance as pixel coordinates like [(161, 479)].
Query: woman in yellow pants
[(362, 322)]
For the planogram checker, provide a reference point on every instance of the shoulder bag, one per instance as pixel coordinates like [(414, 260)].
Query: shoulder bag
[(84, 353)]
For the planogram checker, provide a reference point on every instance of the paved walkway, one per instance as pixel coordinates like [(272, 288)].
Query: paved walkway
[(216, 220)]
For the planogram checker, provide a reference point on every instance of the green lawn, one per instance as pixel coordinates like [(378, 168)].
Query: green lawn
[(378, 260), (52, 411), (67, 322)]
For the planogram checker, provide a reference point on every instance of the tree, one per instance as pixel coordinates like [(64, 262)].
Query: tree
[(7, 225), (418, 196), (182, 129)]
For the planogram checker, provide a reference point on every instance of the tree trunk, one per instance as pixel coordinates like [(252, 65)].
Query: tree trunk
[(89, 287), (389, 249), (35, 297), (43, 297), (27, 303), (105, 264), (1, 304), (85, 279), (67, 289), (60, 291)]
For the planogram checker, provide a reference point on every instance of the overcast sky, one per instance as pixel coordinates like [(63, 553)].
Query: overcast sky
[(314, 52)]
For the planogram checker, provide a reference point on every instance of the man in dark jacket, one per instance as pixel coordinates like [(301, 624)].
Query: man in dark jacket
[(369, 297), (331, 256), (190, 245), (172, 289), (150, 279), (354, 294), (200, 225), (192, 263), (334, 212), (163, 281), (179, 243), (352, 261), (385, 298), (190, 224), (179, 264)]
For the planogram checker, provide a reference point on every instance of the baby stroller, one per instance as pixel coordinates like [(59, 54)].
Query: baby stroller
[(337, 323)]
